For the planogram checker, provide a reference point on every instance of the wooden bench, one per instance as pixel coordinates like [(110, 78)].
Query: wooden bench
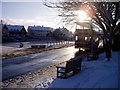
[(92, 56), (72, 67)]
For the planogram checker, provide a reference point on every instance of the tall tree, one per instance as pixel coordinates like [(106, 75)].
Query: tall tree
[(106, 15)]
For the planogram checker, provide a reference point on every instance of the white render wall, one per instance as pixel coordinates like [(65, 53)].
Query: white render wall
[(39, 33)]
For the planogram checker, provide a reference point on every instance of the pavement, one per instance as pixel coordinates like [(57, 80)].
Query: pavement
[(24, 64), (31, 62)]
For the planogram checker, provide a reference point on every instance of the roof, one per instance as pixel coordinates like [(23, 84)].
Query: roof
[(14, 27), (39, 28), (62, 29)]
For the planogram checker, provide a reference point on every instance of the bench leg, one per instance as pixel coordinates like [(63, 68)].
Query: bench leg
[(57, 74), (65, 75)]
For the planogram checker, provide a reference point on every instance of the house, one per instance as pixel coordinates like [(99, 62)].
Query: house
[(5, 31), (13, 33), (16, 30), (13, 30), (63, 34), (39, 32)]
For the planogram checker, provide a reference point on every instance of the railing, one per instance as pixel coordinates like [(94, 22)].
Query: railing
[(47, 44)]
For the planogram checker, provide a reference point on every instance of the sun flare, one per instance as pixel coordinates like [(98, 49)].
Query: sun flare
[(82, 15)]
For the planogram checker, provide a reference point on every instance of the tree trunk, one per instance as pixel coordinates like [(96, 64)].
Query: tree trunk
[(107, 48)]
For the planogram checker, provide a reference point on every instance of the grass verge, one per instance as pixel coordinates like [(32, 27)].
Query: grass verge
[(28, 51)]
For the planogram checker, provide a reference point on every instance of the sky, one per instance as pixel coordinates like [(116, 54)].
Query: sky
[(30, 13)]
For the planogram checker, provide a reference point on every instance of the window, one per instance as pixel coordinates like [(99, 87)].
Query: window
[(76, 37)]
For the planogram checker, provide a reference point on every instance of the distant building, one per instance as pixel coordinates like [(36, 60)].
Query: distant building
[(13, 33), (39, 31), (84, 32), (63, 34), (14, 30), (5, 31)]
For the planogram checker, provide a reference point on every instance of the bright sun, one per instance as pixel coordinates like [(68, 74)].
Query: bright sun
[(82, 15)]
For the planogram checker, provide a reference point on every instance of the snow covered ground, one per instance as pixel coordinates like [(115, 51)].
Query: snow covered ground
[(94, 74)]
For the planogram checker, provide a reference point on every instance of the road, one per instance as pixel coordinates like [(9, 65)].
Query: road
[(29, 63)]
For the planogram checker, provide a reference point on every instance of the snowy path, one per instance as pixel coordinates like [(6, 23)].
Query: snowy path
[(24, 64), (94, 74)]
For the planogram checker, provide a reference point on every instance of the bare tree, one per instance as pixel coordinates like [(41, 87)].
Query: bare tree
[(106, 15)]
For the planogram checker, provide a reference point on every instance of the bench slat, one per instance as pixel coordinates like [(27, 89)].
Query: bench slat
[(71, 65)]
